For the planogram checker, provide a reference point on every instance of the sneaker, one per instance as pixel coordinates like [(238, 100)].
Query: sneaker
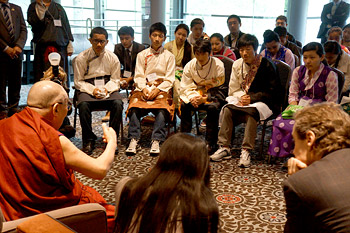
[(154, 148), (244, 161), (133, 146), (220, 154)]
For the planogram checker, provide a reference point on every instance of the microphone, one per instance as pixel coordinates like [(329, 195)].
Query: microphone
[(55, 59)]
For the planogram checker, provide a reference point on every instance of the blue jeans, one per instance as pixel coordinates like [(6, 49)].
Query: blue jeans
[(159, 129)]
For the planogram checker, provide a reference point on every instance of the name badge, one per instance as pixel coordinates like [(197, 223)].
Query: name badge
[(127, 74), (99, 83), (304, 102), (152, 77), (57, 22)]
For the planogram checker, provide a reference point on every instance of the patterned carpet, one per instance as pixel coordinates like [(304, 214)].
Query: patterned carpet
[(250, 200)]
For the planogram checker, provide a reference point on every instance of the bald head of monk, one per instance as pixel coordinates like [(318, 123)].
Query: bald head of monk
[(50, 100)]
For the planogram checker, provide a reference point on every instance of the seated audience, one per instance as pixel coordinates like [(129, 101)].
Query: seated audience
[(37, 161), (346, 36), (311, 83), (337, 58), (336, 34), (234, 24), (282, 33), (174, 196), (274, 49), (126, 52), (254, 86), (218, 47), (183, 53), (97, 81), (282, 22), (197, 26), (197, 90), (317, 191), (154, 78)]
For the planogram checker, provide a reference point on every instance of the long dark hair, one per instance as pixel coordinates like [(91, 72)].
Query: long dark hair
[(187, 47), (175, 191)]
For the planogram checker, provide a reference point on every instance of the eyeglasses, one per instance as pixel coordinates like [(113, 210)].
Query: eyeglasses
[(69, 105), (97, 41)]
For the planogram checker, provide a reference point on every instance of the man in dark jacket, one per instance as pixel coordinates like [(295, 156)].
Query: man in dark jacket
[(51, 33), (333, 14), (13, 36)]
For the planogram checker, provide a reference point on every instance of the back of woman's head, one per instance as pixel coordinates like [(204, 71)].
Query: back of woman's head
[(184, 154), (314, 46), (333, 47), (175, 192)]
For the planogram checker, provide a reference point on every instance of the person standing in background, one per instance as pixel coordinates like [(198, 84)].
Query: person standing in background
[(13, 36), (333, 14), (51, 33), (234, 24)]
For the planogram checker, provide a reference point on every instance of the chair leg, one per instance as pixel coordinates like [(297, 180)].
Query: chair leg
[(262, 139), (196, 117), (75, 117), (121, 131)]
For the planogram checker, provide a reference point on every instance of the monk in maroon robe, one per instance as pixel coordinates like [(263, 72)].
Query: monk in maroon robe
[(37, 162)]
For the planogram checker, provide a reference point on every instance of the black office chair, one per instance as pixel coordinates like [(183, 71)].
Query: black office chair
[(341, 80), (284, 72)]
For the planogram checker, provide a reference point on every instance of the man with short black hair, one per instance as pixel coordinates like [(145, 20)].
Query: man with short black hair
[(201, 75), (97, 81), (282, 21), (127, 51), (234, 24), (333, 14), (282, 33), (154, 79)]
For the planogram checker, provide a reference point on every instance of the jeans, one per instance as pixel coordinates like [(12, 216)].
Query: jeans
[(159, 132)]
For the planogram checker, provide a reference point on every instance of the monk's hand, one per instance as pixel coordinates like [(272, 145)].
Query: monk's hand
[(245, 100), (295, 165), (146, 93), (153, 94), (109, 134)]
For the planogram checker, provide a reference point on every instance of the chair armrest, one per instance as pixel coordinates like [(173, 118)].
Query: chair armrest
[(89, 217)]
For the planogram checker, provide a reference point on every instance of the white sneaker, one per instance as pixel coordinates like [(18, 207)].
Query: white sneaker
[(244, 161), (220, 154), (132, 147), (154, 148)]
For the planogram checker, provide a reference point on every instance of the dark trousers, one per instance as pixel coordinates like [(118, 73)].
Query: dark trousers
[(10, 74), (159, 132), (41, 63), (85, 109), (213, 111)]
